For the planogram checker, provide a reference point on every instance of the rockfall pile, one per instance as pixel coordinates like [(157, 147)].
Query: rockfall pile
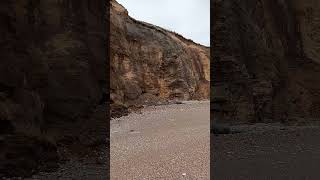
[(266, 61), (149, 64), (52, 80)]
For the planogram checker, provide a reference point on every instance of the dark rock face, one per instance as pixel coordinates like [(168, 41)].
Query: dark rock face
[(266, 60), (22, 155), (52, 74), (149, 64)]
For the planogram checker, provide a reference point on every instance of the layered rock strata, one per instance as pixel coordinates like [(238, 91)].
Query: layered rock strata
[(52, 80), (266, 57), (149, 64)]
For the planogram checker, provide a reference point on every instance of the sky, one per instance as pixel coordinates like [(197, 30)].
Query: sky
[(190, 18)]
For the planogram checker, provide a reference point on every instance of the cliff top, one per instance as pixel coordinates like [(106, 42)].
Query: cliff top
[(120, 9)]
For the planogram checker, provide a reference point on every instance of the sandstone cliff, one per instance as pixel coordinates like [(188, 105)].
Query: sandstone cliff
[(52, 79), (266, 56), (149, 64)]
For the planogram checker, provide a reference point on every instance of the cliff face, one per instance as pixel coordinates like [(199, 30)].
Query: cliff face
[(52, 79), (266, 57), (149, 64)]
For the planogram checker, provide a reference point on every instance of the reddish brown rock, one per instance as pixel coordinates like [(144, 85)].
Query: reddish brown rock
[(149, 63)]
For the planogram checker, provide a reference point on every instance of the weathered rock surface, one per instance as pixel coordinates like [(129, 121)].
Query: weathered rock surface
[(149, 64), (52, 78), (266, 56)]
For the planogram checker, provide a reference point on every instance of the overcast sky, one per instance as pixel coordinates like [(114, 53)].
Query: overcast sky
[(190, 18)]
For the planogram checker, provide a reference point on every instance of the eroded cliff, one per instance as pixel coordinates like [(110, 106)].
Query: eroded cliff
[(266, 56), (52, 80), (149, 64)]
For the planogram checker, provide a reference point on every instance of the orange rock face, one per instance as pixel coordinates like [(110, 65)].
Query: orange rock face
[(151, 64)]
